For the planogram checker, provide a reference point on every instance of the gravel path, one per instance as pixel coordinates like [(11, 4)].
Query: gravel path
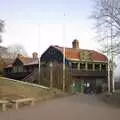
[(75, 107)]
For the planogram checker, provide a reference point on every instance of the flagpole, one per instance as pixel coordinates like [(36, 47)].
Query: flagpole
[(39, 53), (64, 37)]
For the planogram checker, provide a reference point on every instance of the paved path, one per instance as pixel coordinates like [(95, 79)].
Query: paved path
[(69, 108)]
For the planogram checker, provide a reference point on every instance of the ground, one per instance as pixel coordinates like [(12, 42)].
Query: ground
[(76, 107)]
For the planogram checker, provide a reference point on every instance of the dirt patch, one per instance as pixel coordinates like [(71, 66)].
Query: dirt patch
[(111, 99)]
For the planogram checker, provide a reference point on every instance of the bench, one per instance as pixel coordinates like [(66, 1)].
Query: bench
[(4, 104), (24, 100)]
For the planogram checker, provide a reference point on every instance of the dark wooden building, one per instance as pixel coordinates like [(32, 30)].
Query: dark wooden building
[(88, 67), (21, 67)]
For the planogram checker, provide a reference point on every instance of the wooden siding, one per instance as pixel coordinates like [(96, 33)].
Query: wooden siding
[(17, 62), (52, 54)]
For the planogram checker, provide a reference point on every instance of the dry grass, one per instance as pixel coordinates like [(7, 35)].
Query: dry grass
[(10, 90), (14, 90)]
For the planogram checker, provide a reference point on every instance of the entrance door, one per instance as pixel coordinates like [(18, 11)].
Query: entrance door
[(99, 83), (76, 86)]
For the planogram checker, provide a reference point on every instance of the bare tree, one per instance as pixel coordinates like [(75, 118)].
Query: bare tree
[(1, 29), (16, 49), (107, 17)]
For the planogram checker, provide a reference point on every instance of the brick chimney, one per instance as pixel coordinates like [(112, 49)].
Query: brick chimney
[(75, 44), (19, 55), (35, 55)]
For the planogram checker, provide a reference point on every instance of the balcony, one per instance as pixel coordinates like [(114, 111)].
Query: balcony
[(89, 73)]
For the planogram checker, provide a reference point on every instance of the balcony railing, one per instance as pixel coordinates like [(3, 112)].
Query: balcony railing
[(91, 73)]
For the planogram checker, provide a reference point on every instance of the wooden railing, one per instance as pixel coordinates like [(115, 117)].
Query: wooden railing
[(28, 77), (91, 73)]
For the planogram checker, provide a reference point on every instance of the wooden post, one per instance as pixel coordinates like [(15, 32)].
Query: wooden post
[(17, 105), (78, 66), (93, 66), (100, 67), (64, 69), (39, 71), (4, 104), (86, 65), (51, 75), (4, 107), (64, 77), (32, 102)]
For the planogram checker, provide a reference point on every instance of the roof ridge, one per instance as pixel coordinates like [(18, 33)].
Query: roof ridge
[(72, 48)]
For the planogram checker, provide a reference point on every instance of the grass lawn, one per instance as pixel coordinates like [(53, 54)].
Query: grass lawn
[(15, 90)]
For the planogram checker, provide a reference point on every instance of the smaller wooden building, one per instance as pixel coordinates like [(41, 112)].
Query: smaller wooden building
[(21, 67)]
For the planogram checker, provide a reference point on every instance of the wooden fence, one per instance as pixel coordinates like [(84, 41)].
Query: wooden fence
[(53, 76)]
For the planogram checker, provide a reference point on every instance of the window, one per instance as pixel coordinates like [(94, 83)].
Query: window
[(103, 67), (74, 65), (97, 66), (20, 69), (82, 66), (14, 69), (90, 66), (17, 69)]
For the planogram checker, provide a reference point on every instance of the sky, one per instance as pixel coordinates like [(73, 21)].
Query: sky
[(37, 24)]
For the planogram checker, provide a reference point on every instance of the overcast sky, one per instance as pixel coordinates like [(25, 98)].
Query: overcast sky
[(36, 24)]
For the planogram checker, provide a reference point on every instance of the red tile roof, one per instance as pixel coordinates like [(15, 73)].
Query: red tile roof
[(73, 53), (25, 60)]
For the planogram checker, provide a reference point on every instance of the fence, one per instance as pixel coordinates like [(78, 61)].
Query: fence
[(52, 77)]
